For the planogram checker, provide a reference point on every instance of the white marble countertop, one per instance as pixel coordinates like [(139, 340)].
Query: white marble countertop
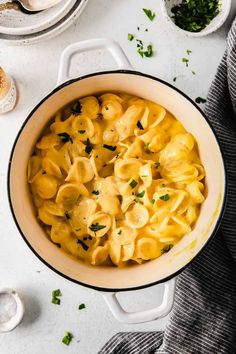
[(35, 70)]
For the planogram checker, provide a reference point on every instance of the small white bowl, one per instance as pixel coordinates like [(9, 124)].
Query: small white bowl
[(14, 310), (217, 22)]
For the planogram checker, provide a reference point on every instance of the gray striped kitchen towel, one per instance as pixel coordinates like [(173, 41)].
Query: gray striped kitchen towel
[(203, 320)]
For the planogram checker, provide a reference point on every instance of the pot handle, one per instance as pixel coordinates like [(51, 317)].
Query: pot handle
[(142, 316), (85, 46)]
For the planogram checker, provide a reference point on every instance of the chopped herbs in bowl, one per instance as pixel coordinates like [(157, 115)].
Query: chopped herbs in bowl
[(196, 17)]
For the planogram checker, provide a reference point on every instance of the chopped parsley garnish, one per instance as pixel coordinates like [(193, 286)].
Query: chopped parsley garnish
[(81, 306), (65, 137), (193, 72), (157, 164), (89, 146), (166, 248), (194, 16), (77, 108), (67, 338), (120, 232), (165, 197), (147, 53), (133, 183), (185, 60), (81, 131), (151, 15), (84, 246), (152, 201), (67, 215), (96, 227), (138, 201), (188, 51), (130, 37), (95, 192), (139, 125), (146, 30), (110, 147), (174, 78), (55, 294), (200, 100), (141, 194)]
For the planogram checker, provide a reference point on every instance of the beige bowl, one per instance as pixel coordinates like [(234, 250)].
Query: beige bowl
[(138, 84)]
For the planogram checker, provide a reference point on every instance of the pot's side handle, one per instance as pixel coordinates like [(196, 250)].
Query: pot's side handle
[(85, 46), (142, 316)]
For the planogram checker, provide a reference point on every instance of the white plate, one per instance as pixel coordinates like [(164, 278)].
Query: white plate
[(15, 22), (54, 30)]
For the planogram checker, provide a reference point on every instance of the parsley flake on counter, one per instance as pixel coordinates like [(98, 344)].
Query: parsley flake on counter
[(148, 53), (84, 246), (188, 51), (96, 227), (151, 15), (141, 194), (139, 125), (67, 338), (133, 183), (110, 147), (95, 192), (130, 37), (185, 60), (165, 197), (65, 137), (166, 248), (55, 294), (200, 100), (77, 108), (174, 78), (89, 146), (81, 306), (193, 72)]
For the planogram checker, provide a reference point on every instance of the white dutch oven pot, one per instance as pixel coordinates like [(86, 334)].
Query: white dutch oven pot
[(110, 280)]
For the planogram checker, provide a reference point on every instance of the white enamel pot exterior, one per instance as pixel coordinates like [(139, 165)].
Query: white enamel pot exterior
[(111, 279)]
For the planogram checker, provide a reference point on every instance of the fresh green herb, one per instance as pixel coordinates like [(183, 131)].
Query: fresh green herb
[(89, 146), (152, 201), (65, 137), (188, 51), (174, 78), (139, 125), (193, 72), (77, 108), (81, 131), (130, 36), (96, 227), (194, 16), (55, 294), (120, 232), (146, 30), (166, 248), (165, 197), (151, 15), (81, 306), (110, 147), (138, 28), (141, 194), (84, 246), (147, 53), (133, 183), (138, 201), (56, 301), (95, 192), (185, 60), (67, 215), (157, 164), (200, 100), (139, 43), (67, 338)]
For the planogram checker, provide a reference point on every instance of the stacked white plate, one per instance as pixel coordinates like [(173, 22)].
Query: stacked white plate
[(17, 27)]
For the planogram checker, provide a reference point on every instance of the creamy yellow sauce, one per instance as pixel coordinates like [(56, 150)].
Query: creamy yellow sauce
[(116, 179)]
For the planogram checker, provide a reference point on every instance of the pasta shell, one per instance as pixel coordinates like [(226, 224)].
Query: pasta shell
[(137, 216), (81, 171)]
